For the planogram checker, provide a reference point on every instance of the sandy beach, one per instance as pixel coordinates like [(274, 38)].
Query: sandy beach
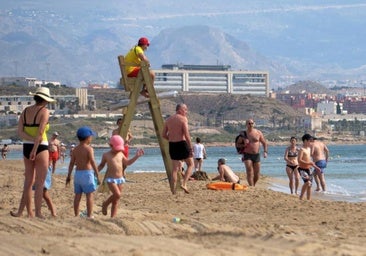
[(253, 222)]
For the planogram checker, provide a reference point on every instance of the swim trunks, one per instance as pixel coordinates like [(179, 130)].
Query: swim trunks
[(322, 164), (54, 156), (306, 175), (48, 180), (255, 158), (116, 180), (27, 149), (84, 182), (179, 150)]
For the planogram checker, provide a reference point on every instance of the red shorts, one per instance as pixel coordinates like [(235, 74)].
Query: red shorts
[(125, 151), (134, 72), (54, 156)]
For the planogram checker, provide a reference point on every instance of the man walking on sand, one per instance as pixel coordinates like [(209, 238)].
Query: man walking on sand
[(320, 154), (180, 147), (251, 155)]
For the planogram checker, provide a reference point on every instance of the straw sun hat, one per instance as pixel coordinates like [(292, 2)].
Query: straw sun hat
[(44, 93)]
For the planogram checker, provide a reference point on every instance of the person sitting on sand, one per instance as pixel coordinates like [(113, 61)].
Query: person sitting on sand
[(86, 170), (305, 163), (225, 172), (114, 176)]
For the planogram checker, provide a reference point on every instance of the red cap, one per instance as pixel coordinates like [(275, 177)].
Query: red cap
[(144, 41)]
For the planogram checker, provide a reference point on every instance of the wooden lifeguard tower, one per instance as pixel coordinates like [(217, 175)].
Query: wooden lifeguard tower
[(134, 85)]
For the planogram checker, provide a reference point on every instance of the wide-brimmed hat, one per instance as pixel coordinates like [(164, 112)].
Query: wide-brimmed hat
[(44, 93), (117, 143)]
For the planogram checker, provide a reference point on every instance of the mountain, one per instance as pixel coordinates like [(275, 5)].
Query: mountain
[(78, 41)]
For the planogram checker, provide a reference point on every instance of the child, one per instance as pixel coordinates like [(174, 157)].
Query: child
[(86, 170), (305, 163), (114, 176), (46, 196)]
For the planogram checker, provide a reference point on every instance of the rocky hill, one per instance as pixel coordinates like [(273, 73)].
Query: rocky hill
[(207, 114)]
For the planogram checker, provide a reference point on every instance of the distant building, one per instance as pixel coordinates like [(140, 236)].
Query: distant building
[(26, 81), (329, 107), (196, 67), (21, 81), (235, 82), (65, 104)]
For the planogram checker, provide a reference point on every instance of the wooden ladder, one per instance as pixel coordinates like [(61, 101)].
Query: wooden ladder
[(134, 86)]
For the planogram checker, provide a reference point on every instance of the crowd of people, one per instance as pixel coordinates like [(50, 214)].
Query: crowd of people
[(41, 155)]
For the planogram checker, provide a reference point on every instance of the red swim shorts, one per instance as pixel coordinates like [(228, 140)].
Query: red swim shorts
[(134, 72), (54, 156)]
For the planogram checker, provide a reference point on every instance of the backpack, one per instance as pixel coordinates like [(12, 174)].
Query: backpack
[(240, 146)]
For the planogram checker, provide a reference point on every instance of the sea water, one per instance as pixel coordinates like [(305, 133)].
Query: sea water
[(345, 173)]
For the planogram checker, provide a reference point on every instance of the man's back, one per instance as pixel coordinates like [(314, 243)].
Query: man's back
[(319, 151)]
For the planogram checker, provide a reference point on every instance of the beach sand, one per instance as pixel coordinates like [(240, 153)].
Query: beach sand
[(253, 222)]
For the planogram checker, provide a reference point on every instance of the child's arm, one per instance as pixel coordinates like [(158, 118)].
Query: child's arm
[(94, 165), (127, 162), (71, 167), (101, 166)]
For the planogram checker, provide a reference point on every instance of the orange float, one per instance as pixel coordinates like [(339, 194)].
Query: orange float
[(221, 185)]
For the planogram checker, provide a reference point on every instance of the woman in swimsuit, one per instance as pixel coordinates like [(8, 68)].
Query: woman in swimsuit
[(32, 128), (292, 164)]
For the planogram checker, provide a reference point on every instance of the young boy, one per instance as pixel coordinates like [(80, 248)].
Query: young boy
[(86, 170), (114, 176), (305, 163)]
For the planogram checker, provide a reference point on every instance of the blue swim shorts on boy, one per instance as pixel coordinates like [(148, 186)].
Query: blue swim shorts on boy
[(84, 182)]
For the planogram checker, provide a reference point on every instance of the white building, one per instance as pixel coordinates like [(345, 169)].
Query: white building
[(328, 107), (236, 82)]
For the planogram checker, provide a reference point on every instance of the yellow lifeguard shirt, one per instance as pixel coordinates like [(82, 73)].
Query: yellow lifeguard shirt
[(133, 57)]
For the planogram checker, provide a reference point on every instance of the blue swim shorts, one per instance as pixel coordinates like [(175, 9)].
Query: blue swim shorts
[(84, 182), (322, 164)]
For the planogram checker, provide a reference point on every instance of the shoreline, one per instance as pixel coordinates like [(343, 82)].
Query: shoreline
[(213, 144)]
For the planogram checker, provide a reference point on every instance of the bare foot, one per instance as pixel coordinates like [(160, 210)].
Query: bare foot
[(144, 93), (185, 189), (318, 189), (15, 214), (104, 209)]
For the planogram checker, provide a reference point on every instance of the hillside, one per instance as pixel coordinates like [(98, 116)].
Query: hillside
[(77, 43), (207, 112)]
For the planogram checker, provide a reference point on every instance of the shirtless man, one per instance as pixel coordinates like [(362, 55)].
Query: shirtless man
[(180, 147), (320, 154), (225, 172), (251, 157), (54, 150), (305, 165)]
